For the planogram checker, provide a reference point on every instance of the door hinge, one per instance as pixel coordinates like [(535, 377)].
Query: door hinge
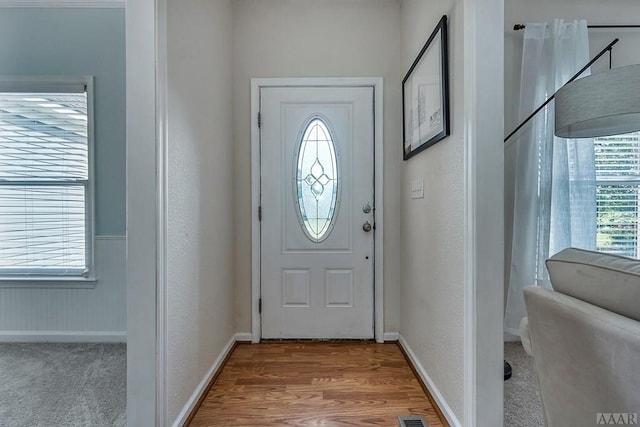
[(259, 119), (259, 213), (260, 305)]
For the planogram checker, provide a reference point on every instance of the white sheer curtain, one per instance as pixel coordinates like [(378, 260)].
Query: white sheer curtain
[(555, 192)]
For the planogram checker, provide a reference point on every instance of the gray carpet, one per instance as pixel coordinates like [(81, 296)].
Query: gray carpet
[(46, 385), (522, 407)]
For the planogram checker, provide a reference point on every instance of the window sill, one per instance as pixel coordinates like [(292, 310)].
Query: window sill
[(48, 282)]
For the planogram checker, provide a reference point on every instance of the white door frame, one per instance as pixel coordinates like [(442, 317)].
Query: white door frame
[(376, 84), (483, 95), (145, 62)]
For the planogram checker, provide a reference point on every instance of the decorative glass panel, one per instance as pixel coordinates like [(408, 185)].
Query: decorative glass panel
[(317, 180)]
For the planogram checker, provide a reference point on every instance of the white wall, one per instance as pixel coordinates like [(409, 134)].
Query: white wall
[(432, 233), (310, 38), (200, 218), (625, 52)]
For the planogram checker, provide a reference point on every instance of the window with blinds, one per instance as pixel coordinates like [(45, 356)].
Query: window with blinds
[(45, 179), (617, 188)]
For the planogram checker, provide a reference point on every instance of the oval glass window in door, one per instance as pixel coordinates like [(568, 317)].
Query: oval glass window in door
[(316, 180)]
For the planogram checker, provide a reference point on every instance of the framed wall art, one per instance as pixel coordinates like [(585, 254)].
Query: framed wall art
[(425, 95)]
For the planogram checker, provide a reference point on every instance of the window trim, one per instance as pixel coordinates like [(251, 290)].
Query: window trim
[(63, 84)]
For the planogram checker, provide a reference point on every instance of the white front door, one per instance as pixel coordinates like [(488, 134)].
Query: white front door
[(317, 187)]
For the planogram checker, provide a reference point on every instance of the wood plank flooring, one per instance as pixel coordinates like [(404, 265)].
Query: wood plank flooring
[(314, 384)]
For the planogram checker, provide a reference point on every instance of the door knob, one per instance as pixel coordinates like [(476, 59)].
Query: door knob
[(366, 208), (366, 226)]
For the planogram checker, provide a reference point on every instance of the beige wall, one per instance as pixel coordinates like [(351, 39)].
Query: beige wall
[(432, 233), (200, 193), (596, 12), (310, 38)]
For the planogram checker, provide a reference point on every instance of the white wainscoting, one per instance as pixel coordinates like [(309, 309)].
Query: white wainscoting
[(96, 314)]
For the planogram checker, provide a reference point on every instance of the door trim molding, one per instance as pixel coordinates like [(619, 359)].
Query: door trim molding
[(143, 188), (484, 223), (377, 84)]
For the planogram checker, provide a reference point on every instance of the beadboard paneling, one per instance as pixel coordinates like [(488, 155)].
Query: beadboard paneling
[(30, 314)]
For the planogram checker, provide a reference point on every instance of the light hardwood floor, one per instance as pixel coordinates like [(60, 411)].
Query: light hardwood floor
[(315, 384)]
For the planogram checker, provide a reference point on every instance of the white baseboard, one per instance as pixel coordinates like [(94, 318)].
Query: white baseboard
[(193, 400), (243, 337), (391, 336), (433, 389), (64, 336)]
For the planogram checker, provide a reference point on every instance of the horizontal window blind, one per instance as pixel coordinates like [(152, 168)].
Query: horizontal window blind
[(617, 189), (44, 178)]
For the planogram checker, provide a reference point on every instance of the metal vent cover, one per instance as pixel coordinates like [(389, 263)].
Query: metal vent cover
[(412, 421)]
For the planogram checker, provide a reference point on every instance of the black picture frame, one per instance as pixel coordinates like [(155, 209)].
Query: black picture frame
[(425, 95)]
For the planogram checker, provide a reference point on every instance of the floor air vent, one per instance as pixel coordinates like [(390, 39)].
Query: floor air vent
[(412, 421)]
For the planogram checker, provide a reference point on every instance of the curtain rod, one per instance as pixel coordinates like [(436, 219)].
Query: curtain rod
[(518, 27), (575, 76)]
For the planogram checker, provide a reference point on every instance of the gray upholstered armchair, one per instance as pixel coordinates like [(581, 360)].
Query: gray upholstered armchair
[(585, 338)]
